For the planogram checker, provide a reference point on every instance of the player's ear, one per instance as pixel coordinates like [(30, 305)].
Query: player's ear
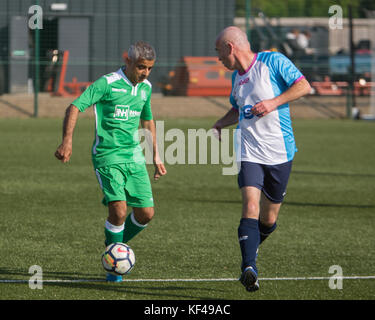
[(128, 61), (230, 47)]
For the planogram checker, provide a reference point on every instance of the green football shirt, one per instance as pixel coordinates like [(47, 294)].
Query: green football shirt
[(118, 107)]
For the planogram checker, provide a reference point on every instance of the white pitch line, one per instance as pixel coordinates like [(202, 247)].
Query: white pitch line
[(320, 278), (190, 280)]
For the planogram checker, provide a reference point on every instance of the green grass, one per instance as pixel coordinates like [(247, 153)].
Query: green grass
[(51, 216)]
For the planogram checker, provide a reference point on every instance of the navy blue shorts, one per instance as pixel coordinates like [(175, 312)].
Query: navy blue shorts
[(271, 179)]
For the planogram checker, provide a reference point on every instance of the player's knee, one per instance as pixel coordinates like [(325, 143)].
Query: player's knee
[(144, 215), (149, 215), (250, 210), (268, 221), (117, 212)]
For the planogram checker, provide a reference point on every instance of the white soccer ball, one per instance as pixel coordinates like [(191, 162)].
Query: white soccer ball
[(118, 258)]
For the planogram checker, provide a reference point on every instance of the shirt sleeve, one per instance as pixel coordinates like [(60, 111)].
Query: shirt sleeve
[(286, 69), (146, 113), (94, 93), (232, 100)]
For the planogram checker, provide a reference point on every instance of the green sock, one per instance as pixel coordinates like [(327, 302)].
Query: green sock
[(132, 228), (113, 233)]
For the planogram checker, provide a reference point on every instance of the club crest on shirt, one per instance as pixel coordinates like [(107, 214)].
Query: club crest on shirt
[(143, 95)]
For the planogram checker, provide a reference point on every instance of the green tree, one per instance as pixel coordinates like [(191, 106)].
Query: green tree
[(296, 8), (303, 8)]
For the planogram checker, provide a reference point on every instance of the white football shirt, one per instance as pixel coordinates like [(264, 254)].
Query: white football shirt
[(267, 140)]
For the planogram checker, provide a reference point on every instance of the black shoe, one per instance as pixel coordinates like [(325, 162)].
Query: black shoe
[(249, 279)]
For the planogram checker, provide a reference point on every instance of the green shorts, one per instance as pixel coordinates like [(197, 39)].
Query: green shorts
[(126, 182)]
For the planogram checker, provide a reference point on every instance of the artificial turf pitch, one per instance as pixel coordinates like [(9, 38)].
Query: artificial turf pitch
[(52, 216)]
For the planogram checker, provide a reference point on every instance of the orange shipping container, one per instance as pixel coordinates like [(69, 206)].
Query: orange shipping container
[(199, 76)]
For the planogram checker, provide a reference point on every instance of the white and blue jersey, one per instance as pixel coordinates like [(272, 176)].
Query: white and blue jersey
[(267, 140)]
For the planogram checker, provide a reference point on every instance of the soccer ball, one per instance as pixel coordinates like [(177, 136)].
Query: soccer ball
[(118, 258)]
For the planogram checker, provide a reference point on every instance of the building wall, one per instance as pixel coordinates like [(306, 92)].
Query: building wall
[(338, 39), (176, 28)]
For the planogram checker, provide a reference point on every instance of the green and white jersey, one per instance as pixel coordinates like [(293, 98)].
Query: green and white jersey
[(118, 107)]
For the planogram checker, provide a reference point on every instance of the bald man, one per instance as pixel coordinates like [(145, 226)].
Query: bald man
[(262, 86)]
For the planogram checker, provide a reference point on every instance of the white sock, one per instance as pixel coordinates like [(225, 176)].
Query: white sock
[(115, 229), (136, 222)]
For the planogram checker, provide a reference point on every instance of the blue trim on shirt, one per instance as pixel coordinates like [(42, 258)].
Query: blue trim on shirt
[(283, 74), (231, 98)]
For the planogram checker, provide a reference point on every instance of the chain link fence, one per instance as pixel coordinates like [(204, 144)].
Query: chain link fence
[(65, 46)]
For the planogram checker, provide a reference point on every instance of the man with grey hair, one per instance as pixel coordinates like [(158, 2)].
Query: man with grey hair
[(121, 100), (142, 50), (262, 86)]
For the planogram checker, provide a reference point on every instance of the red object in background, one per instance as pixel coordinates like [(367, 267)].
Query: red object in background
[(199, 76), (340, 88), (124, 56), (67, 89)]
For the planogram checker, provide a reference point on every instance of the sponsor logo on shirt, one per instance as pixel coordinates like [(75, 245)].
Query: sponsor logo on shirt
[(123, 113), (247, 112)]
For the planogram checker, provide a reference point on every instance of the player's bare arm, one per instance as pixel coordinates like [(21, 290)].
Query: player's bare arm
[(296, 91), (64, 151), (230, 118), (159, 166)]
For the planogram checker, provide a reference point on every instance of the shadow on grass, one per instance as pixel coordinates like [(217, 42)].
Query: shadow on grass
[(286, 203), (10, 272), (133, 290), (335, 174), (137, 291), (329, 205)]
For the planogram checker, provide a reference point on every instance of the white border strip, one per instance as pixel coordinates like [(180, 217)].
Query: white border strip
[(192, 280)]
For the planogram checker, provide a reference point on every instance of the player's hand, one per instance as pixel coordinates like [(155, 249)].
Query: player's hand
[(64, 152), (263, 108), (159, 170), (217, 131)]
